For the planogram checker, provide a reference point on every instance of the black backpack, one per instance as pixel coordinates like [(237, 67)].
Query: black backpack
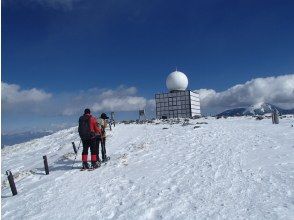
[(84, 128)]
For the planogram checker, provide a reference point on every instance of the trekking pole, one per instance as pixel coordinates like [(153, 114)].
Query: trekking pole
[(76, 155), (74, 147)]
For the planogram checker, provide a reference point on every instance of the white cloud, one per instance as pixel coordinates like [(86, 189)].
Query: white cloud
[(128, 103), (120, 99), (120, 91), (275, 90), (17, 100), (13, 95), (70, 111), (151, 104)]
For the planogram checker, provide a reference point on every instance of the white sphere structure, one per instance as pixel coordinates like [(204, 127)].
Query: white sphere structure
[(177, 81)]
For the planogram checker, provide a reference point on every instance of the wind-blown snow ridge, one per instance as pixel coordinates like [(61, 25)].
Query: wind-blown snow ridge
[(226, 169)]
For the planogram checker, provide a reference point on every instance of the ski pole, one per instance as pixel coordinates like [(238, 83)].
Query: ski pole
[(76, 155)]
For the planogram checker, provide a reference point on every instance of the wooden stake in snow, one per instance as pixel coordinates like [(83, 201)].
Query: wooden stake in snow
[(46, 165), (11, 182), (74, 147)]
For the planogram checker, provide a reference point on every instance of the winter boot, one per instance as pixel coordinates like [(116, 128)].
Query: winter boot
[(85, 165), (98, 159), (105, 159), (95, 165)]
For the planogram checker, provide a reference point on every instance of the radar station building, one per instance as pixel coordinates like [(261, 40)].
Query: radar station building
[(178, 102)]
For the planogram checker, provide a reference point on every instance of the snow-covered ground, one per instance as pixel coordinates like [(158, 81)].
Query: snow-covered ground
[(235, 168)]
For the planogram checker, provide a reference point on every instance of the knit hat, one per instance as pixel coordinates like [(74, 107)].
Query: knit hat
[(104, 116), (87, 111)]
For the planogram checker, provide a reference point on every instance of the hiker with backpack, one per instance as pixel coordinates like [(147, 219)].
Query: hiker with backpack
[(89, 132), (102, 123)]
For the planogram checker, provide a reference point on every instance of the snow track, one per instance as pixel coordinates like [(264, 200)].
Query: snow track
[(226, 169)]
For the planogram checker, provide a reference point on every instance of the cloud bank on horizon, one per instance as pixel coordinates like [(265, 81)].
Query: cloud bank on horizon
[(12, 95), (22, 101), (121, 99), (275, 90)]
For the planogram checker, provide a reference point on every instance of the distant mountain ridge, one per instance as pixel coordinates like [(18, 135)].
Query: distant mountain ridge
[(257, 109)]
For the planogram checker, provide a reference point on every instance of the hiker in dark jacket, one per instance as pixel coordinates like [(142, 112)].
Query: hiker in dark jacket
[(89, 131)]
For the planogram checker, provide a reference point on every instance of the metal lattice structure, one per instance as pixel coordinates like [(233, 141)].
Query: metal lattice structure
[(177, 104)]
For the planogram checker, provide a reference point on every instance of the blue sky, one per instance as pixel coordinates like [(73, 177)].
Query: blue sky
[(77, 48)]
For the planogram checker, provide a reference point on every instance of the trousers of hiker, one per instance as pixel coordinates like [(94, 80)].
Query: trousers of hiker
[(101, 140), (88, 131), (103, 148), (89, 144), (102, 123)]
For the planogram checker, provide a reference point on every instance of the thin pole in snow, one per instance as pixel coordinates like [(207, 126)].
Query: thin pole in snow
[(11, 182), (46, 165), (74, 147)]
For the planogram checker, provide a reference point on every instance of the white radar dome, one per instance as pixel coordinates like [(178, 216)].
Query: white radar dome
[(177, 81)]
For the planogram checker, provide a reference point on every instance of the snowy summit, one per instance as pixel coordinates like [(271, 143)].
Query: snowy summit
[(235, 168), (259, 109)]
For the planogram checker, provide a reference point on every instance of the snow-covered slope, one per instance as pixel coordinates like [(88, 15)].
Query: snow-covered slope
[(226, 169), (260, 109)]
